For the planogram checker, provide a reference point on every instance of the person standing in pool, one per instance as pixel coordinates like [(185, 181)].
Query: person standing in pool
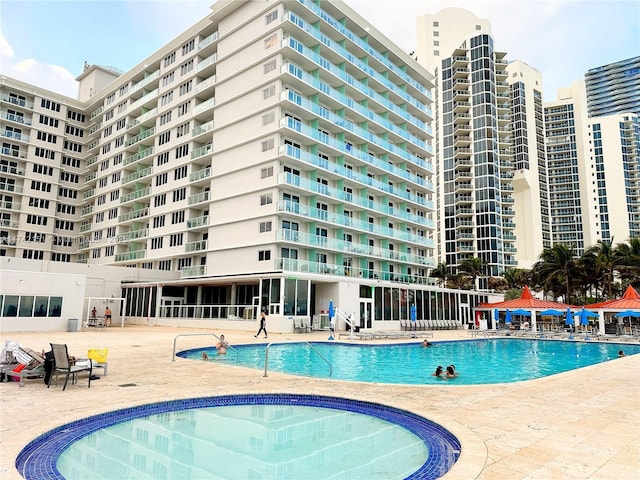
[(263, 324), (221, 346), (451, 371), (439, 372)]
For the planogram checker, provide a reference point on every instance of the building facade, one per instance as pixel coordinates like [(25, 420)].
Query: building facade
[(530, 175), (474, 154), (614, 88), (278, 155)]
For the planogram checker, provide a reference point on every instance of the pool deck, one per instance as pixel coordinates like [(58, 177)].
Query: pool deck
[(583, 424)]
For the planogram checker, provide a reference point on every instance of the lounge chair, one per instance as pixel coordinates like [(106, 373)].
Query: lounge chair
[(61, 364), (32, 365)]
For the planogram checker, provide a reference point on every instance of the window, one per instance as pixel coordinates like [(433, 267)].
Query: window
[(184, 108), (266, 199), (266, 172), (180, 172), (45, 120), (162, 158), (186, 68), (182, 151), (177, 217), (43, 136), (169, 59), (75, 116), (164, 138), (267, 145), (269, 66), (189, 46), (268, 118), (156, 243), (182, 129), (161, 179), (185, 88), (160, 200), (271, 17), (265, 227), (271, 41), (179, 195), (268, 92), (158, 222), (264, 255), (50, 105), (166, 99), (165, 118), (175, 239), (164, 265), (167, 79)]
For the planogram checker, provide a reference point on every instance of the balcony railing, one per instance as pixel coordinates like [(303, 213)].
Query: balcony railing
[(198, 222), (128, 256), (200, 174), (195, 246), (197, 271)]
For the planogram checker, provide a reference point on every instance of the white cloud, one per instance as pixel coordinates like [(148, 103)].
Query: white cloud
[(52, 77)]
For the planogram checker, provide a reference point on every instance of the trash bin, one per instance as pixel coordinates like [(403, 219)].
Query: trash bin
[(73, 325)]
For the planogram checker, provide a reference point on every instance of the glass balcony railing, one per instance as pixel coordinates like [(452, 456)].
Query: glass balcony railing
[(197, 271), (304, 266), (198, 246), (21, 102), (137, 175), (339, 219), (128, 256), (198, 222), (138, 156)]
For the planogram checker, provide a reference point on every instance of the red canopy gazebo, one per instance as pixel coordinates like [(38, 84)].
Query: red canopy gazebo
[(525, 302), (607, 310)]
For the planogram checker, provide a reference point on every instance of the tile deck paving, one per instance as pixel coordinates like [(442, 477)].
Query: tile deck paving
[(583, 424)]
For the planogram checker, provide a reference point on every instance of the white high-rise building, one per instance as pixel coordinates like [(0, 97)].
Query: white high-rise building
[(277, 154), (530, 177), (474, 155)]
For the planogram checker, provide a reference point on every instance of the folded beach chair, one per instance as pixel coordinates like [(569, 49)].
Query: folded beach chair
[(31, 365)]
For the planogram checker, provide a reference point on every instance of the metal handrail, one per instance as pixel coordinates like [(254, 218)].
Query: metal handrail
[(199, 335), (266, 358)]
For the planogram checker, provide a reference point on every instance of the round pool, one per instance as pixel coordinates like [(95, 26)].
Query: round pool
[(245, 436)]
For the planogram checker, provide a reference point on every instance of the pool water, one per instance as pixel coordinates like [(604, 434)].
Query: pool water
[(245, 436), (483, 361)]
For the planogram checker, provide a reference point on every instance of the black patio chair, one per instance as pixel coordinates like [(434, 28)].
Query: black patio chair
[(62, 364)]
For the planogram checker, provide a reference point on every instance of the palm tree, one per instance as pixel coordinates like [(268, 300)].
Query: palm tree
[(605, 263), (473, 267), (556, 266), (460, 281), (629, 266), (517, 277), (441, 273)]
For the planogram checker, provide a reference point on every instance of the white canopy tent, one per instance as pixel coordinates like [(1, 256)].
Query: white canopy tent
[(104, 301)]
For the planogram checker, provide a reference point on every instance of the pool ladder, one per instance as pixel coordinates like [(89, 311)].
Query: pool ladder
[(266, 358)]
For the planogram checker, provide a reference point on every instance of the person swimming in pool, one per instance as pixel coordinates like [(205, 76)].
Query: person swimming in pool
[(438, 372), (222, 345), (451, 371), (425, 343), (205, 356)]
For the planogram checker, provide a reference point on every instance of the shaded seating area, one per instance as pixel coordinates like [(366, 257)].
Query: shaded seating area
[(63, 364)]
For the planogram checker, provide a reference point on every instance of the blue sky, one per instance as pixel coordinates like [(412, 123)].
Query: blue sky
[(46, 42)]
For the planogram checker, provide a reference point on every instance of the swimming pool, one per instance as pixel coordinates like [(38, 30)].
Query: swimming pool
[(483, 361), (245, 436)]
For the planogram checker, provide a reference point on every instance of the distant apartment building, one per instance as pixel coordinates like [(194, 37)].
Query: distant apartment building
[(279, 155), (474, 151), (530, 175), (614, 88), (594, 172)]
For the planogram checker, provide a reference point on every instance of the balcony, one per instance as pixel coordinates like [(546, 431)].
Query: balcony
[(133, 235), (208, 40), (10, 187), (9, 224), (137, 175), (142, 212), (197, 271), (89, 193), (198, 222), (14, 152), (86, 210), (200, 174), (140, 136), (12, 117), (10, 205), (201, 152), (138, 156), (17, 101), (135, 195), (128, 256), (199, 198), (85, 227), (11, 170), (198, 246)]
